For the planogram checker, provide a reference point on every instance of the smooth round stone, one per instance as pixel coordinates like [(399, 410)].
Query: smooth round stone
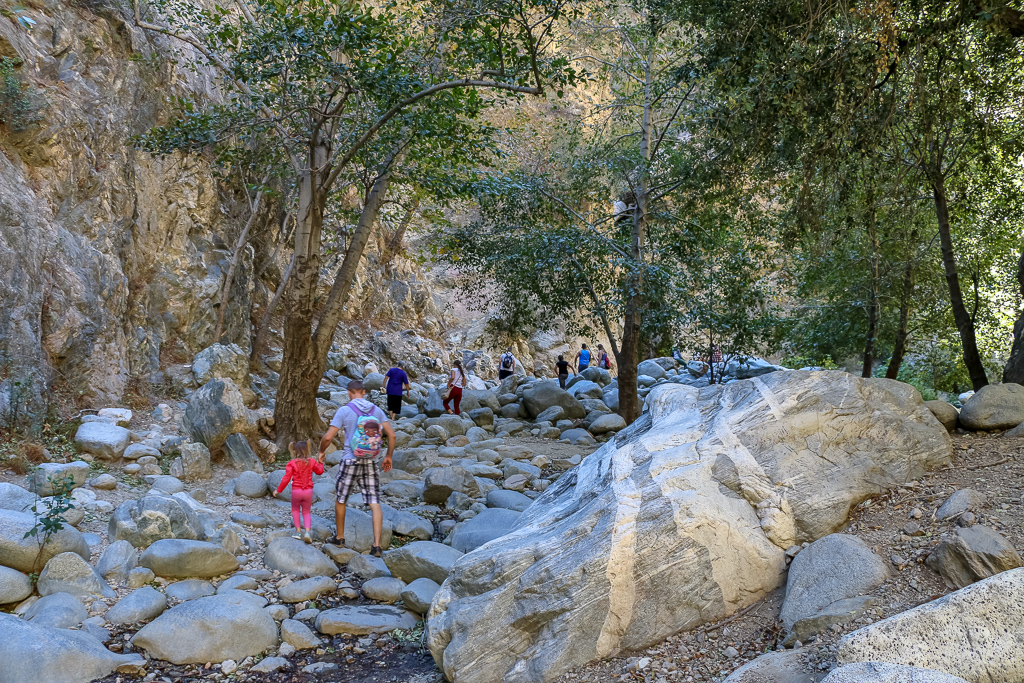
[(189, 589), (384, 589), (238, 582), (140, 605)]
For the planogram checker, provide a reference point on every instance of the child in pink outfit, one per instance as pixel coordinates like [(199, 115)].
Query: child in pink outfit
[(299, 472)]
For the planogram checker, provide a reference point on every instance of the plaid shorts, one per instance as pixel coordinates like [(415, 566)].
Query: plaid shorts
[(362, 470)]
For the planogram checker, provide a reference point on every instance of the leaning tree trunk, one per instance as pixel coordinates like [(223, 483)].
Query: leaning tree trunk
[(963, 319), (899, 348), (346, 275), (1014, 370)]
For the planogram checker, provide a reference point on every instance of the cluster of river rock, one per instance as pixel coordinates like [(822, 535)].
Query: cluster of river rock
[(521, 565)]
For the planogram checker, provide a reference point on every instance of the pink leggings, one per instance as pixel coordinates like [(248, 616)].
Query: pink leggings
[(302, 504)]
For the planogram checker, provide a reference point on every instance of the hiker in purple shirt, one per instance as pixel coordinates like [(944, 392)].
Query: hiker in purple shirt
[(398, 382)]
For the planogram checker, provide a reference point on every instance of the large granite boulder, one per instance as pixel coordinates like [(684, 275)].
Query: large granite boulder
[(242, 456), (291, 556), (682, 519), (14, 497), (142, 604), (27, 553), (216, 411), (973, 633), (32, 653), (53, 477), (439, 482), (60, 610), (944, 412), (151, 518), (585, 389), (540, 396), (210, 629), (223, 361), (421, 559), (651, 368), (598, 375), (195, 462), (486, 526), (70, 573), (995, 406), (179, 558), (104, 440), (117, 560)]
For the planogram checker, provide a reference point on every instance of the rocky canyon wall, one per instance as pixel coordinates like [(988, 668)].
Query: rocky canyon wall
[(111, 260), (107, 255)]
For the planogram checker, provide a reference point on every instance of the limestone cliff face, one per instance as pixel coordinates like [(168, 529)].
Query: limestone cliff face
[(108, 257), (112, 261)]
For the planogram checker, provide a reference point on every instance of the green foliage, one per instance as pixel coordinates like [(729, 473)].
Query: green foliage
[(796, 362), (856, 119), (49, 512), (413, 636), (17, 109)]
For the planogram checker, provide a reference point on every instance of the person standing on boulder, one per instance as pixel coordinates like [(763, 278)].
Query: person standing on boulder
[(582, 358), (562, 368), (506, 365), (364, 425), (603, 361), (456, 383), (397, 383)]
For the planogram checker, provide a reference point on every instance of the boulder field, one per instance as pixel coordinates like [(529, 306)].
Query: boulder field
[(682, 519)]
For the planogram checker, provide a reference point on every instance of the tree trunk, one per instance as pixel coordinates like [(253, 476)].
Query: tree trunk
[(264, 327), (1014, 370), (346, 275), (963, 319), (218, 330), (305, 351), (872, 333), (295, 413), (629, 398), (900, 345)]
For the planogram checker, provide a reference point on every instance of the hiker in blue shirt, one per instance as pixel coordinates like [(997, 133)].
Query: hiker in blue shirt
[(582, 358)]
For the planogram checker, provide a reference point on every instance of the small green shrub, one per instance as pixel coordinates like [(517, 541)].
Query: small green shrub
[(49, 512), (17, 110)]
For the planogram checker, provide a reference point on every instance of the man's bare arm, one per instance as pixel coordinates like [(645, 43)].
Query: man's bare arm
[(328, 437)]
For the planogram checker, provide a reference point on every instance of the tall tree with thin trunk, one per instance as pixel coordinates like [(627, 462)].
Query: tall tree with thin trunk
[(333, 88)]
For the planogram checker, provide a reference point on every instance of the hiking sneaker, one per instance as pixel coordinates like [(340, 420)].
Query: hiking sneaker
[(307, 537), (297, 535), (376, 551)]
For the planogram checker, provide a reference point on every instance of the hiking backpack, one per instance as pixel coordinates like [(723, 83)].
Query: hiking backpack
[(506, 362), (368, 436)]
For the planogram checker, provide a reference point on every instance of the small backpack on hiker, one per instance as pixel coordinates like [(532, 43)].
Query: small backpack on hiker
[(368, 436)]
